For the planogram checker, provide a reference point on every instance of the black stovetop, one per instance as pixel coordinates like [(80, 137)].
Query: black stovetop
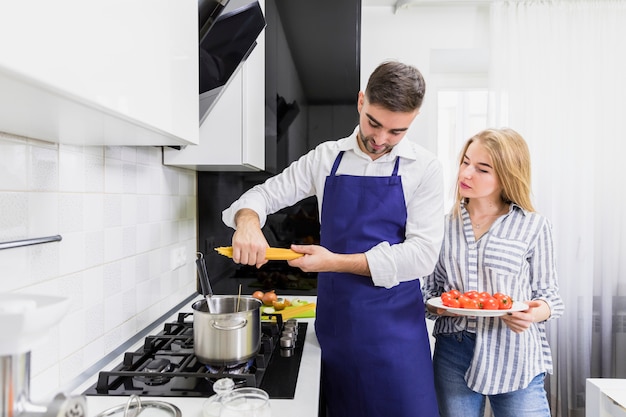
[(166, 366)]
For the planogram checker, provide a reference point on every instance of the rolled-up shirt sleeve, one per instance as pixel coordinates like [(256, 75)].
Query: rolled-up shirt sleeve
[(544, 283)]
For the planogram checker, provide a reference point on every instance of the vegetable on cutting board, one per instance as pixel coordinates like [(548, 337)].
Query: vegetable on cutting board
[(303, 310), (273, 304)]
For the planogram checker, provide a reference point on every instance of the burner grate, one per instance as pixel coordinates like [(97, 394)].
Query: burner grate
[(166, 366)]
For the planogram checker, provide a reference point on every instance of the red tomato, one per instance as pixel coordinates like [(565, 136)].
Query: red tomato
[(463, 298), (490, 304), (452, 302), (446, 297), (471, 294), (455, 293), (485, 294), (467, 302), (504, 301)]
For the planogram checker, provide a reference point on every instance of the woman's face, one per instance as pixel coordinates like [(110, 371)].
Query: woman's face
[(477, 178)]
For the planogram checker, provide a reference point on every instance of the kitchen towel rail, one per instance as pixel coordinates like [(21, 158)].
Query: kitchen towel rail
[(28, 242)]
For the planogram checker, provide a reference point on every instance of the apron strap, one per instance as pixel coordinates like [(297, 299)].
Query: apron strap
[(395, 167), (333, 171)]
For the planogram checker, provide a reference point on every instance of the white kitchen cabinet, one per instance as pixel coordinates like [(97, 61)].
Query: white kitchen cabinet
[(605, 397), (112, 72), (232, 137)]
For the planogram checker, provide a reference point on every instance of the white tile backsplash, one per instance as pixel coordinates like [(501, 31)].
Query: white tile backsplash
[(120, 213), (113, 176), (43, 168), (71, 161), (13, 159), (71, 211), (14, 218), (93, 216), (72, 253), (43, 213)]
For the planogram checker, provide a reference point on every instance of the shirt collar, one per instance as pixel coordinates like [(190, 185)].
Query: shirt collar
[(402, 149), (514, 206)]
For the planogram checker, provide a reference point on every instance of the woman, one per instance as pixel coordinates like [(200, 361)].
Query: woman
[(494, 241)]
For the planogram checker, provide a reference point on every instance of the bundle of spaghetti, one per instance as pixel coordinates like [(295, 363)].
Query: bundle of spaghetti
[(271, 254)]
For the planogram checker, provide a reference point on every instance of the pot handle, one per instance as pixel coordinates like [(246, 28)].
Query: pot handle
[(239, 325)]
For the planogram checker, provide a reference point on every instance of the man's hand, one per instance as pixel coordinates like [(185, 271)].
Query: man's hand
[(249, 243), (319, 259), (316, 258)]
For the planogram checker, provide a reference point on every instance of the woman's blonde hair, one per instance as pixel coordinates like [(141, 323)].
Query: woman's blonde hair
[(511, 162)]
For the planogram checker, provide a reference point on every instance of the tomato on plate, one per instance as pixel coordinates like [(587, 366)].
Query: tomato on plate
[(489, 303), (455, 293), (446, 296), (451, 302), (505, 302), (467, 302), (473, 294), (451, 298)]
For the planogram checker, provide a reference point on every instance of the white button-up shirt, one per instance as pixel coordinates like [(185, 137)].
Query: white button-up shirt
[(422, 183)]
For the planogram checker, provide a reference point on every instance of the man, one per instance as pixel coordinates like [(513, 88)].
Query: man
[(381, 216)]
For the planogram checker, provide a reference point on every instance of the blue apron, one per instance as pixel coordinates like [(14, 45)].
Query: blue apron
[(375, 349)]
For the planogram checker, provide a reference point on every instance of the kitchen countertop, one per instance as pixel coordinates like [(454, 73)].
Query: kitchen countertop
[(304, 404)]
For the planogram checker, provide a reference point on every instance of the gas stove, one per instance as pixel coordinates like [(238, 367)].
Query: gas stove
[(166, 366)]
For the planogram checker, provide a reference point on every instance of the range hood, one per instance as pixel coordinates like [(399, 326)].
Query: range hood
[(208, 12), (228, 39)]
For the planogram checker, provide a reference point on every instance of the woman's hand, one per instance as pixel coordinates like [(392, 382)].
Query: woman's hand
[(519, 321), (440, 311)]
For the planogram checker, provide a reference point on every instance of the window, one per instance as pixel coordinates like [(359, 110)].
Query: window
[(460, 114)]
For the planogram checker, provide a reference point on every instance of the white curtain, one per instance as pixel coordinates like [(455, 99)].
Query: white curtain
[(558, 76)]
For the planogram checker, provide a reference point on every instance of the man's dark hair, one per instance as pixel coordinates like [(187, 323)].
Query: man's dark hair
[(396, 86)]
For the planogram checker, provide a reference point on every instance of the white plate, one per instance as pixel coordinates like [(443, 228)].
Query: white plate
[(517, 306)]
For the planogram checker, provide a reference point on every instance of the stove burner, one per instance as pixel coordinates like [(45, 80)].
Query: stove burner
[(165, 365), (158, 367), (241, 368)]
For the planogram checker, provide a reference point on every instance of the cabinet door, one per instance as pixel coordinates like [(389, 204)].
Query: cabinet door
[(232, 137), (108, 72)]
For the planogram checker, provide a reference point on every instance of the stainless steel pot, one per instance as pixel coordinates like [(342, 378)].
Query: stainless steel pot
[(230, 334)]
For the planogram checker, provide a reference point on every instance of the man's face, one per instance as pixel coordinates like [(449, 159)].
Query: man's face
[(381, 129)]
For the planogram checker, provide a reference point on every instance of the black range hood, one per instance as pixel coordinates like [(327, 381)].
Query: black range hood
[(208, 12), (229, 37)]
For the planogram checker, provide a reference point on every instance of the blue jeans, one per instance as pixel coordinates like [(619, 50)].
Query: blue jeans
[(453, 353)]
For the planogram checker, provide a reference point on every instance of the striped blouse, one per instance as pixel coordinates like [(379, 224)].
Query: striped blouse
[(515, 257)]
